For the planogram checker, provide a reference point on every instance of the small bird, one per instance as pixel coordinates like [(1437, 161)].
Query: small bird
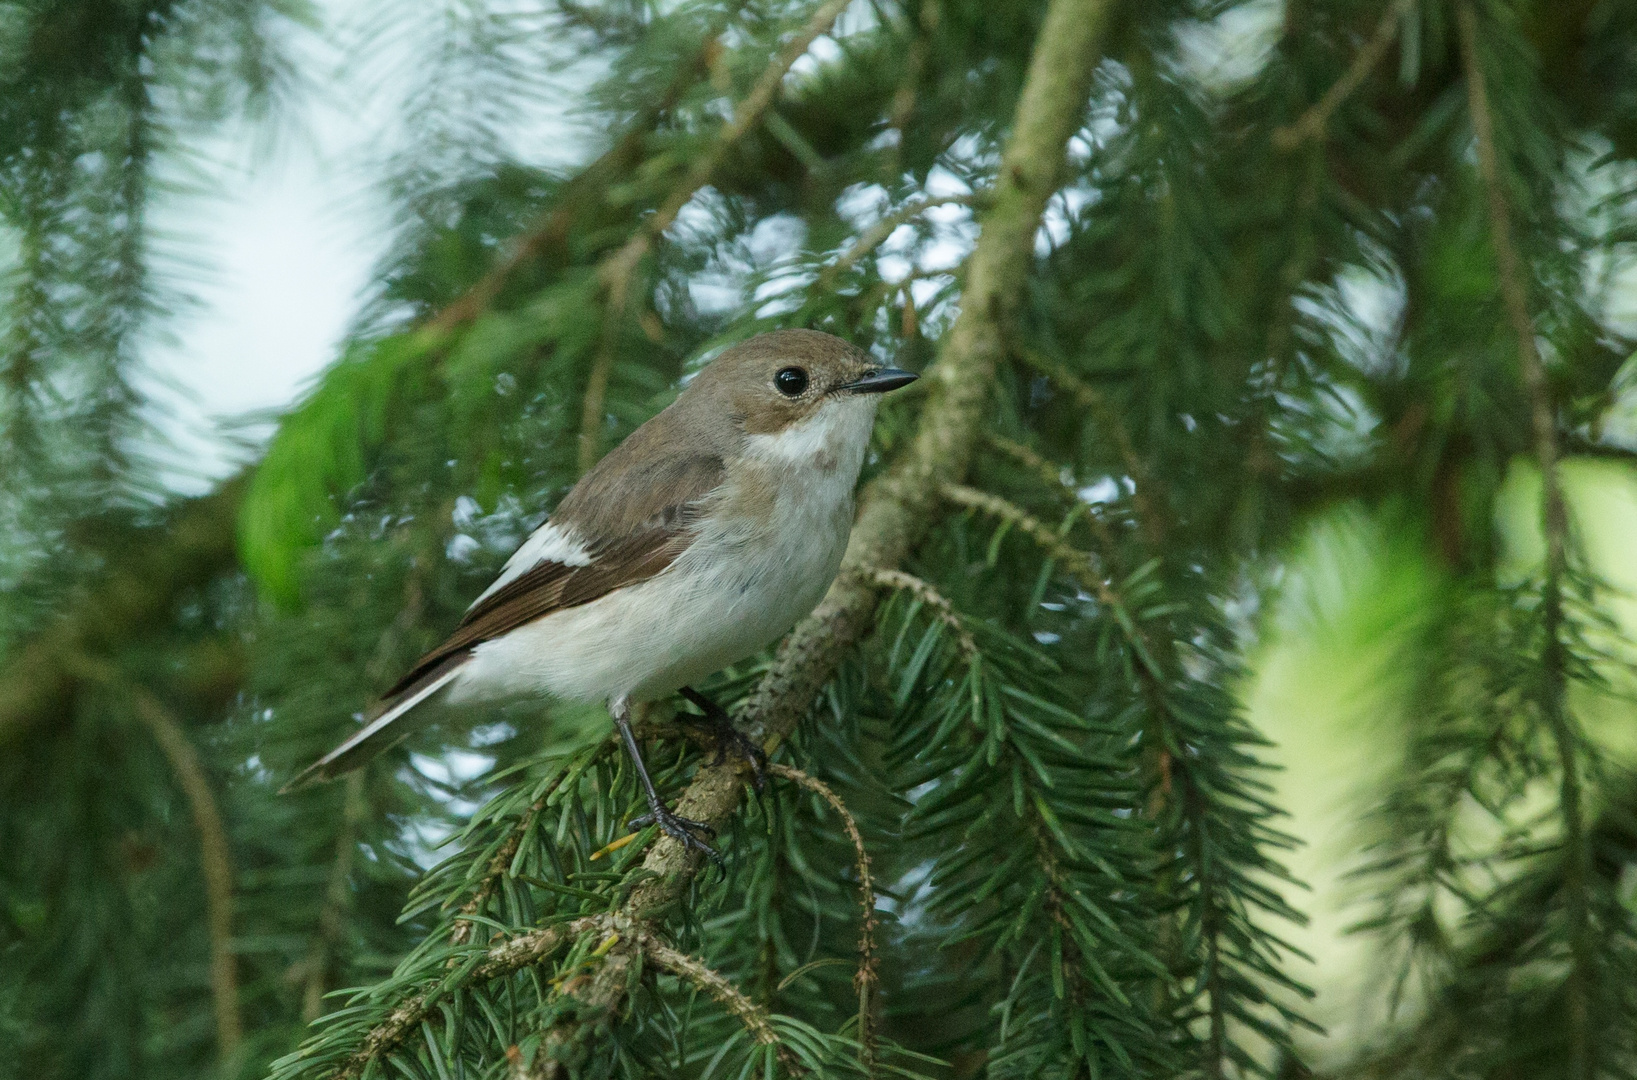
[(696, 542)]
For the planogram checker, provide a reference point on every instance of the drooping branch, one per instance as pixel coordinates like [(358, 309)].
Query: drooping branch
[(877, 234), (1310, 125), (723, 992), (194, 545), (215, 853), (1554, 654), (509, 956), (616, 270), (868, 962), (939, 604)]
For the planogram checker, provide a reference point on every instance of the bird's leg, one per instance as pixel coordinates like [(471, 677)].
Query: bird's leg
[(728, 737), (680, 829)]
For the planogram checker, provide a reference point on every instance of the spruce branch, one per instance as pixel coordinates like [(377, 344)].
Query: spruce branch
[(1554, 655), (931, 598), (587, 187), (724, 993), (615, 272), (867, 978), (1149, 497), (1311, 124), (877, 234), (500, 959), (1050, 475), (500, 865), (215, 853), (896, 508)]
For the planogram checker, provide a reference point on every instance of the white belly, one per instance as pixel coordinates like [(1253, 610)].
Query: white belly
[(733, 592)]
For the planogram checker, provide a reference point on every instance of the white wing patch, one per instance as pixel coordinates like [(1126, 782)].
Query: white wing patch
[(548, 543)]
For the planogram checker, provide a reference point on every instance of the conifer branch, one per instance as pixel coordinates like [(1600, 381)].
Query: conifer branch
[(1311, 124), (1050, 475), (896, 508), (866, 978), (505, 958), (877, 234), (1554, 653), (615, 272), (724, 993), (929, 596), (500, 865), (550, 232), (215, 852), (1149, 497)]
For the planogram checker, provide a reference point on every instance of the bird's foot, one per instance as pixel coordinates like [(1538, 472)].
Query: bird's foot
[(685, 831), (729, 739)]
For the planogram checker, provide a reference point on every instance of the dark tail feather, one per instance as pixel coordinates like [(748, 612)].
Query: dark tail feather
[(383, 729)]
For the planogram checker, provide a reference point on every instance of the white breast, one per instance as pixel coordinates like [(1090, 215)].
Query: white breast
[(762, 560)]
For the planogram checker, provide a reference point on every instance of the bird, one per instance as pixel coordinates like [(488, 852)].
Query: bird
[(699, 540)]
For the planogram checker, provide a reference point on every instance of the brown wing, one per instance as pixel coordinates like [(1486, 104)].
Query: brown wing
[(677, 491)]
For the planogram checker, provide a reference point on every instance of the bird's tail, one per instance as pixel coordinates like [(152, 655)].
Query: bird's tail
[(383, 728)]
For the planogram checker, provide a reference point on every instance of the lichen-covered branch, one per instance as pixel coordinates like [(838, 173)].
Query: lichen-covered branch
[(724, 993), (939, 604)]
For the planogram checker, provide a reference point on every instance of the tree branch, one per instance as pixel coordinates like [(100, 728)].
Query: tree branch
[(877, 234), (512, 955), (1554, 659), (932, 598), (866, 979), (215, 853), (1310, 125), (617, 269), (898, 507), (724, 993)]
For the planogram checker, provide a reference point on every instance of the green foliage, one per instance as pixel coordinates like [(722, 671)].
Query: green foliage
[(1078, 867)]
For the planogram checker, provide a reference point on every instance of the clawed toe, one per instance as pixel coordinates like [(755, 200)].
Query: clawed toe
[(681, 829)]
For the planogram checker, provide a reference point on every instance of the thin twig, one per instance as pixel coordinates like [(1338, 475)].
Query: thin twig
[(1514, 294), (877, 234), (752, 1016), (1148, 499), (1310, 125), (501, 863), (867, 977), (550, 231), (215, 853), (1051, 475), (336, 897), (616, 270), (931, 598), (512, 955)]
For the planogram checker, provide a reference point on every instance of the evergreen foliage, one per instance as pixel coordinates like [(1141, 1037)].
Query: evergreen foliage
[(1176, 297)]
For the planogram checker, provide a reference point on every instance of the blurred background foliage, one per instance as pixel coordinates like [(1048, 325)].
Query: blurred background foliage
[(1239, 719)]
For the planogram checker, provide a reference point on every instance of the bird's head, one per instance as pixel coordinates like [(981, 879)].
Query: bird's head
[(796, 380)]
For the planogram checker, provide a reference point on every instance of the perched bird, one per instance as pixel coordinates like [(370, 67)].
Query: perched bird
[(696, 542)]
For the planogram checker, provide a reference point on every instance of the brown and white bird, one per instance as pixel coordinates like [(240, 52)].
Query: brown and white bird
[(696, 542)]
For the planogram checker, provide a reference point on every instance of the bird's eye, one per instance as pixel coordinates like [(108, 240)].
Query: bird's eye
[(790, 381)]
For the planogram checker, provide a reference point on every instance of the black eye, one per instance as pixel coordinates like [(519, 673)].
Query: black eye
[(790, 381)]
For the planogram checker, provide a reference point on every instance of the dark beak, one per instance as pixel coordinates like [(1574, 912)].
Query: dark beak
[(880, 381)]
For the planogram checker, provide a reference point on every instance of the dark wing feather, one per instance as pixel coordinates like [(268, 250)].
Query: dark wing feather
[(616, 561)]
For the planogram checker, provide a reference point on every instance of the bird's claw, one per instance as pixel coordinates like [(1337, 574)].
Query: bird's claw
[(682, 830)]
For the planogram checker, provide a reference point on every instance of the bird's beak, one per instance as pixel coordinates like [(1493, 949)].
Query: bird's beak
[(880, 381)]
